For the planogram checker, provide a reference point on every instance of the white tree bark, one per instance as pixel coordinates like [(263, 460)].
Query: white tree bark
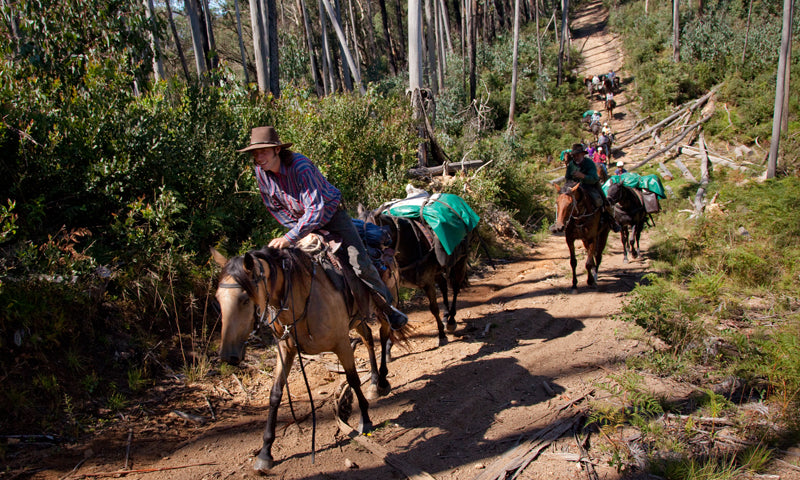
[(259, 45), (343, 44), (783, 61)]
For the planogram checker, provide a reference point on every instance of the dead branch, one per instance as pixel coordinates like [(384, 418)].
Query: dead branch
[(451, 168), (687, 174)]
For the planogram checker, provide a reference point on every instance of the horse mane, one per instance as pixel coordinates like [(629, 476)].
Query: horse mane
[(568, 186), (290, 260)]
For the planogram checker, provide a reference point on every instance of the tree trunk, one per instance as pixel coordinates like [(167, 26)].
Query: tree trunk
[(676, 31), (327, 61), (13, 24), (538, 38), (512, 103), (786, 84), (747, 30), (373, 46), (783, 64), (259, 46), (415, 72), (312, 57), (272, 41), (388, 36), (158, 66), (177, 39), (401, 54), (473, 49), (353, 22), (211, 44), (242, 51), (445, 20), (197, 39), (564, 17), (343, 43), (346, 66), (430, 44)]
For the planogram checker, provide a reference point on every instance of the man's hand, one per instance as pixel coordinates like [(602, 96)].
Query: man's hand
[(579, 175), (279, 243)]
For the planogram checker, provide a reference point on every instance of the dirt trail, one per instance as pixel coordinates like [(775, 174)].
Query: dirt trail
[(524, 348)]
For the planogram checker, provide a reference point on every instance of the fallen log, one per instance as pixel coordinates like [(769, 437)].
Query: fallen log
[(664, 171), (439, 170), (704, 175), (715, 159), (685, 171), (674, 142)]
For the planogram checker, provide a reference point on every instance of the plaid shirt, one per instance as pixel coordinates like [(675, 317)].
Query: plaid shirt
[(299, 197)]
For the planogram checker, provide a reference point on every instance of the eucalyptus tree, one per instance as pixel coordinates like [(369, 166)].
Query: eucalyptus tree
[(515, 55), (242, 51), (348, 57), (197, 38), (158, 66), (676, 31), (783, 64), (259, 45), (177, 39)]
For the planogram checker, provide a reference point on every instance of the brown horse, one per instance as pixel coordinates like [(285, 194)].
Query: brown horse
[(629, 212), (422, 263), (610, 105), (579, 218), (307, 313)]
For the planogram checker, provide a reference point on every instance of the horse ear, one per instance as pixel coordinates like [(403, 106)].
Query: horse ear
[(218, 257), (249, 263), (576, 187), (556, 187)]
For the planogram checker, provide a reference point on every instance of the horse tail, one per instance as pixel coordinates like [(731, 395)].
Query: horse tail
[(402, 337), (486, 250)]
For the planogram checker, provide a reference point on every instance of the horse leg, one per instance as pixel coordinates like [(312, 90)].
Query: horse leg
[(449, 313), (286, 353), (374, 388), (623, 236), (591, 268), (573, 262), (433, 305), (457, 276), (348, 361)]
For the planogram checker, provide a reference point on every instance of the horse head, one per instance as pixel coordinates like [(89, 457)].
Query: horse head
[(566, 204), (242, 296), (614, 193)]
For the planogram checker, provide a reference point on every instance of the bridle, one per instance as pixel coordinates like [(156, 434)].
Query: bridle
[(578, 219)]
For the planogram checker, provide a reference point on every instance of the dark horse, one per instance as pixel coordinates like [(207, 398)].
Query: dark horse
[(422, 263), (629, 213), (608, 85), (306, 311), (579, 218)]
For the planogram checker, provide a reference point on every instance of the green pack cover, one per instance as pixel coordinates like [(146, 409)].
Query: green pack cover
[(448, 215), (634, 180)]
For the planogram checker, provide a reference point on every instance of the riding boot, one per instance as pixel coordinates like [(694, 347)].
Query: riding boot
[(609, 217)]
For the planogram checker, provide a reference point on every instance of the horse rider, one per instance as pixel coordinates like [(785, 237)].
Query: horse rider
[(596, 82), (620, 168), (606, 130), (581, 168), (604, 143), (301, 199), (595, 118), (611, 76)]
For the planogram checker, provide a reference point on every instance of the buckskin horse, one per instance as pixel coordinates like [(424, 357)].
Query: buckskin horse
[(422, 263), (630, 214), (578, 218), (307, 313)]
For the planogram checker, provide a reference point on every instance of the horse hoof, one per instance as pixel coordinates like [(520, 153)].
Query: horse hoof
[(574, 290), (372, 392), (262, 465), (443, 341), (625, 260), (364, 427), (451, 326), (384, 390)]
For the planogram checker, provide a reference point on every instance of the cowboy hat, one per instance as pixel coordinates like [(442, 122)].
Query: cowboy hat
[(578, 148), (264, 137)]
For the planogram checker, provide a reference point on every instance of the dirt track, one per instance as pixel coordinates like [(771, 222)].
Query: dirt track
[(524, 348)]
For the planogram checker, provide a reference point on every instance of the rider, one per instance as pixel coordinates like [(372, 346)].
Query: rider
[(611, 75), (606, 129), (604, 143), (581, 168), (620, 168), (302, 200), (595, 118)]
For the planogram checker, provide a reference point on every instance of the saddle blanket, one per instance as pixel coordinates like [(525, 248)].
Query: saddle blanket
[(448, 215)]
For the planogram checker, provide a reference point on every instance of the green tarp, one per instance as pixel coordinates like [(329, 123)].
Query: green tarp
[(634, 180), (448, 215)]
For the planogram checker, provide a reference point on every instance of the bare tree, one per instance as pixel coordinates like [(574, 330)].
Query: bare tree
[(272, 42), (177, 39), (783, 64), (415, 69), (388, 36), (676, 31), (242, 51), (564, 27), (431, 48), (197, 38), (320, 89), (259, 46), (158, 66), (514, 57), (343, 43)]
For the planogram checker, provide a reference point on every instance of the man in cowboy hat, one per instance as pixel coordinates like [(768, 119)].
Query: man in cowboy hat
[(582, 169), (620, 168), (302, 200)]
